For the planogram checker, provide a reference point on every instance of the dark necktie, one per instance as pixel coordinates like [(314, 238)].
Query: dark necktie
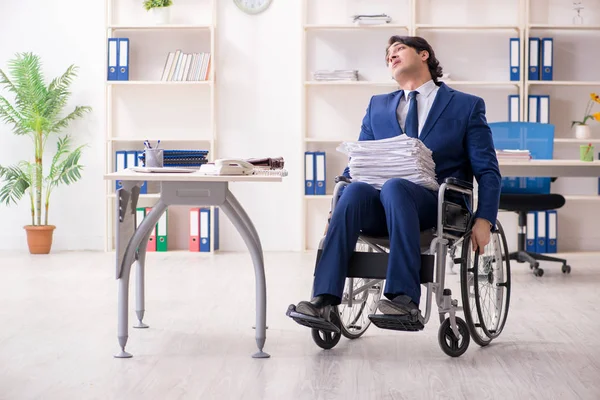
[(411, 127)]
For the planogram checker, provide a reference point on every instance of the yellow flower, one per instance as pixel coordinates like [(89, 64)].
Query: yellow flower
[(596, 116), (595, 97)]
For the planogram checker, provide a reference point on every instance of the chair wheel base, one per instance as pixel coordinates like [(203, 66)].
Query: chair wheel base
[(311, 322), (406, 323)]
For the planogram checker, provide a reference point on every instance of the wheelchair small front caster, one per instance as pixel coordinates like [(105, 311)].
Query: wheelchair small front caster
[(450, 344), (538, 272), (328, 340), (566, 269)]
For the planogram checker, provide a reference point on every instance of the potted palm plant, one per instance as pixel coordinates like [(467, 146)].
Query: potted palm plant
[(160, 9), (36, 113)]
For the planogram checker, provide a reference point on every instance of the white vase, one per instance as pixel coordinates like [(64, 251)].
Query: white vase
[(162, 15), (582, 131)]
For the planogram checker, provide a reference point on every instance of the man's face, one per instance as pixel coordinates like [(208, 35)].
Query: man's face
[(402, 59)]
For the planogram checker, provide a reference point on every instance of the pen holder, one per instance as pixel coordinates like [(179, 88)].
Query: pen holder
[(586, 152), (154, 158)]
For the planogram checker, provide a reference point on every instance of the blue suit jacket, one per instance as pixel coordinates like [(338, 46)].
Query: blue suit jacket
[(457, 133)]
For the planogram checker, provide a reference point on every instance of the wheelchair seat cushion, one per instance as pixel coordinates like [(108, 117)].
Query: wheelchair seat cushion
[(384, 241)]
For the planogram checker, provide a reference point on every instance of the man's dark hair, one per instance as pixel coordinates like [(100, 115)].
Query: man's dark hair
[(419, 44)]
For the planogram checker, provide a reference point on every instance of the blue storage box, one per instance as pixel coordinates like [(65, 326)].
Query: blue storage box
[(535, 137)]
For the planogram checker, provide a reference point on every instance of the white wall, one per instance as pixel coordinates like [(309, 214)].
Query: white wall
[(258, 113), (63, 33)]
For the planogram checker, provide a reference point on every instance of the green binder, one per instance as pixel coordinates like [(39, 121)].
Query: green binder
[(161, 233)]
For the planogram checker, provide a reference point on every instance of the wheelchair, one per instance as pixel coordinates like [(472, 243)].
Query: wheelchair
[(485, 281)]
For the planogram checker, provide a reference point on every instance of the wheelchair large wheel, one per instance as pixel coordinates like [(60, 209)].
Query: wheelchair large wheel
[(354, 314), (485, 286), (328, 340)]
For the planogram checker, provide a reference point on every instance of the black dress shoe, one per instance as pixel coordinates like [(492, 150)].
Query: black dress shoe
[(315, 307), (399, 305)]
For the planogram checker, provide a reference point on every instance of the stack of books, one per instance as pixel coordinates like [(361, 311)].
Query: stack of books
[(336, 75), (181, 66)]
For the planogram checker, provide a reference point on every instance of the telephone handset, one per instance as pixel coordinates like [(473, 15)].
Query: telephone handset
[(234, 167)]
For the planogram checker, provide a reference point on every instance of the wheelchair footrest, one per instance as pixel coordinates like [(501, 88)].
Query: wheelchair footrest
[(310, 321), (410, 323)]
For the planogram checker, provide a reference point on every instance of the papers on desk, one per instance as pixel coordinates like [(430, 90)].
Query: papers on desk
[(178, 170), (513, 155), (376, 161)]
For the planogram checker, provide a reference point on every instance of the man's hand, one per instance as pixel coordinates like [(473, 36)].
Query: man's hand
[(480, 236)]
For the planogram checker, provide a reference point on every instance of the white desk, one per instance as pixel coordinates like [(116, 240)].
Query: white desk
[(550, 168), (190, 189)]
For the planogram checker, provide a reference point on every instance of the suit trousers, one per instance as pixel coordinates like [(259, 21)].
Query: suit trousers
[(400, 210)]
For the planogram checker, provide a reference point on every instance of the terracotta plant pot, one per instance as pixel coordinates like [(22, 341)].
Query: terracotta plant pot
[(39, 238)]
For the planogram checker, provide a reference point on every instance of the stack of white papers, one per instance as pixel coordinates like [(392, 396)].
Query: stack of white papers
[(336, 75), (376, 161), (371, 19)]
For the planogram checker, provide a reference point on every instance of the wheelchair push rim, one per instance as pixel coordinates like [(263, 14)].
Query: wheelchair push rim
[(488, 288)]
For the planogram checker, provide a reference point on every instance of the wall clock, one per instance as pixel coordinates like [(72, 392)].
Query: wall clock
[(253, 6)]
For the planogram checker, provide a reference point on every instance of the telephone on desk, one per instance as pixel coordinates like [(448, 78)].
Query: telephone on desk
[(234, 166)]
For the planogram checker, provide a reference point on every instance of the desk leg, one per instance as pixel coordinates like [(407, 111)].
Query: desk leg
[(244, 226), (144, 231), (140, 282)]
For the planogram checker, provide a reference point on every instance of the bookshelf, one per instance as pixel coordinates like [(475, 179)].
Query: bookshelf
[(180, 112), (471, 40)]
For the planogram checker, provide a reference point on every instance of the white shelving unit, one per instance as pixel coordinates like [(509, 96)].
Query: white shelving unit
[(181, 114), (474, 49)]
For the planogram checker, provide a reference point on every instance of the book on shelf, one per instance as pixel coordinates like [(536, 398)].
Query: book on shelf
[(186, 67)]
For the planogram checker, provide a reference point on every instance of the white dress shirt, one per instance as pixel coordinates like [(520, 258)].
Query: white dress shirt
[(425, 98)]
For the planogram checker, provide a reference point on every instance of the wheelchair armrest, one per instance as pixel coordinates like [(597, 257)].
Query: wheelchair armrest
[(458, 182), (342, 178)]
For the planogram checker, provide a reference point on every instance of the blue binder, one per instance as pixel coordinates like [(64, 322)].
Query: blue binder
[(531, 234), (123, 59), (113, 59), (216, 237), (515, 59), (320, 173), (544, 109), (309, 173), (205, 230), (120, 164), (514, 108), (552, 225), (547, 58), (534, 59), (540, 223), (134, 156), (533, 108)]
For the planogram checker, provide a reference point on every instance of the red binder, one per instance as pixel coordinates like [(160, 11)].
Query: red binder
[(152, 240), (194, 241)]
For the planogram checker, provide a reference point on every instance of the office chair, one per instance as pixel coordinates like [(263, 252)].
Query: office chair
[(524, 195)]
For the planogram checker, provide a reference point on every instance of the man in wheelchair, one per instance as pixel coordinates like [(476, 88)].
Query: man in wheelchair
[(453, 126)]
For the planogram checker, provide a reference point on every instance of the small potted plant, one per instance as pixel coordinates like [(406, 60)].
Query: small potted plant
[(35, 114), (160, 9), (582, 130)]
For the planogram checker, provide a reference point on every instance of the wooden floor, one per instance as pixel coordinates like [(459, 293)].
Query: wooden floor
[(58, 336)]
